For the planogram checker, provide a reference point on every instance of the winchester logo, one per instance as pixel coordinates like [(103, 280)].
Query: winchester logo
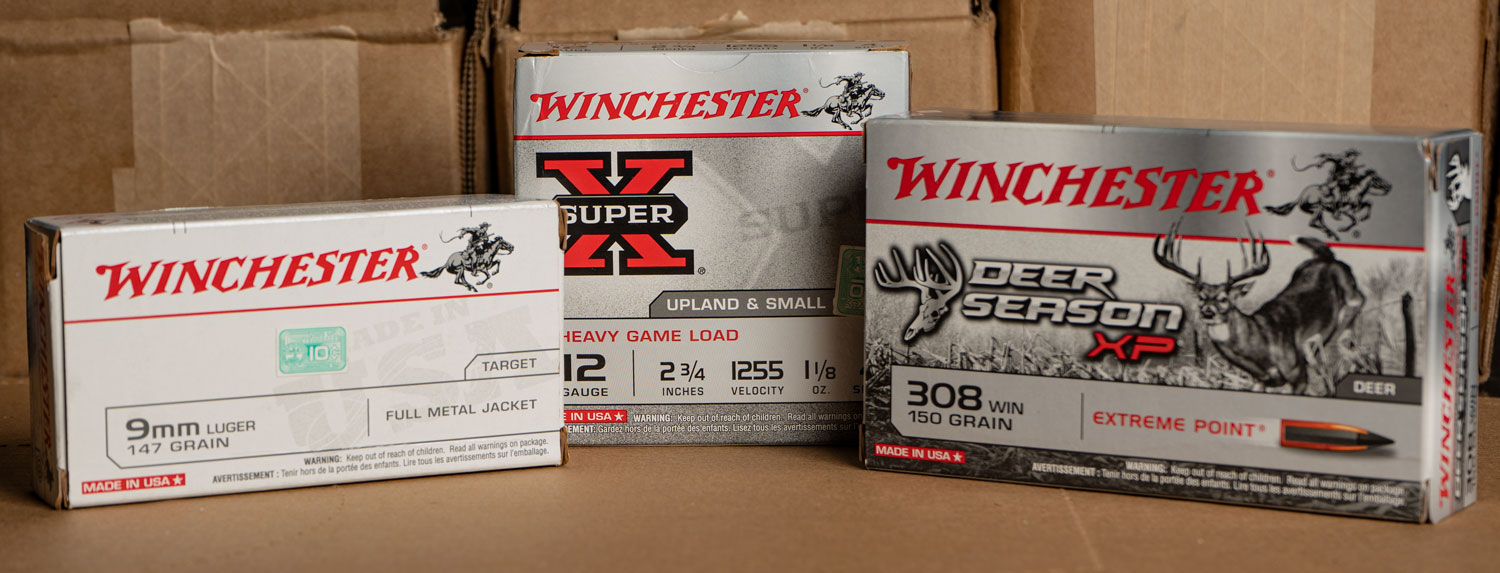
[(628, 216), (848, 108), (260, 272), (635, 106), (480, 257), (1342, 201), (851, 107), (1096, 186)]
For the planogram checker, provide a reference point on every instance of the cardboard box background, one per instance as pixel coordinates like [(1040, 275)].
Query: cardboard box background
[(908, 521), (1381, 62), (150, 104), (951, 42)]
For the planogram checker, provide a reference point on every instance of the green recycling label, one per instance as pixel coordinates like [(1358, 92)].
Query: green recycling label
[(312, 350), (849, 297)]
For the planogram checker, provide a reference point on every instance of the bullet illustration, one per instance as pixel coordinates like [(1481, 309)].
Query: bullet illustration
[(1328, 436)]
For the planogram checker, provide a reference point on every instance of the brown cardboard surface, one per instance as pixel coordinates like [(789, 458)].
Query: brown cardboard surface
[(1382, 62), (263, 101), (1386, 62), (565, 16), (1047, 56), (1288, 61), (1429, 63), (370, 18), (951, 42), (220, 118), (714, 508)]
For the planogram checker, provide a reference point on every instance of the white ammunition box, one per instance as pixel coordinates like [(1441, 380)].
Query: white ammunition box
[(709, 190), (1244, 313), (196, 352)]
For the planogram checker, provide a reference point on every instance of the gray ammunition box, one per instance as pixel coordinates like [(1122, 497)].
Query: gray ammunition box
[(1254, 314)]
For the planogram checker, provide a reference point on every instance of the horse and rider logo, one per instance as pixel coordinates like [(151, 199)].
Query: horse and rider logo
[(480, 257), (851, 107), (1342, 201)]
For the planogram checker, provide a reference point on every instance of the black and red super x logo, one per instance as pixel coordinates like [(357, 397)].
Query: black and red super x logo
[(629, 216)]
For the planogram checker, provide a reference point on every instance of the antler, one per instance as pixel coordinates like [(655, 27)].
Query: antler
[(1168, 251), (924, 266), (883, 278), (952, 280), (1257, 258)]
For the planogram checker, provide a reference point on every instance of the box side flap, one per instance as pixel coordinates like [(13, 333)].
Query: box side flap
[(1453, 180), (539, 49), (1489, 305), (49, 474)]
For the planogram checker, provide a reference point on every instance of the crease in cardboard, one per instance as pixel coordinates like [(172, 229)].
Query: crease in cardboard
[(218, 118), (554, 18), (1297, 61), (475, 62), (1018, 61), (739, 26), (80, 35), (30, 37), (1046, 54)]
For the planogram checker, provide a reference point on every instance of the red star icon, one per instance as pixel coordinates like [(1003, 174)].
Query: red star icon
[(177, 480)]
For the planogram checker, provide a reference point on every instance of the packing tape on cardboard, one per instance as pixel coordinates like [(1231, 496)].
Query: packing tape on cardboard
[(226, 119), (1306, 60)]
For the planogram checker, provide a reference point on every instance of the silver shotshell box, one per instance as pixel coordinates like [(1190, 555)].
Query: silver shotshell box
[(1255, 314), (709, 189)]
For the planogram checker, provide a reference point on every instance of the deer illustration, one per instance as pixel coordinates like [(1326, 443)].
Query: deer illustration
[(938, 282), (1278, 342), (1459, 187)]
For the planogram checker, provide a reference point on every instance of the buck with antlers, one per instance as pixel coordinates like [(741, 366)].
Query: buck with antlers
[(935, 280), (1276, 343)]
